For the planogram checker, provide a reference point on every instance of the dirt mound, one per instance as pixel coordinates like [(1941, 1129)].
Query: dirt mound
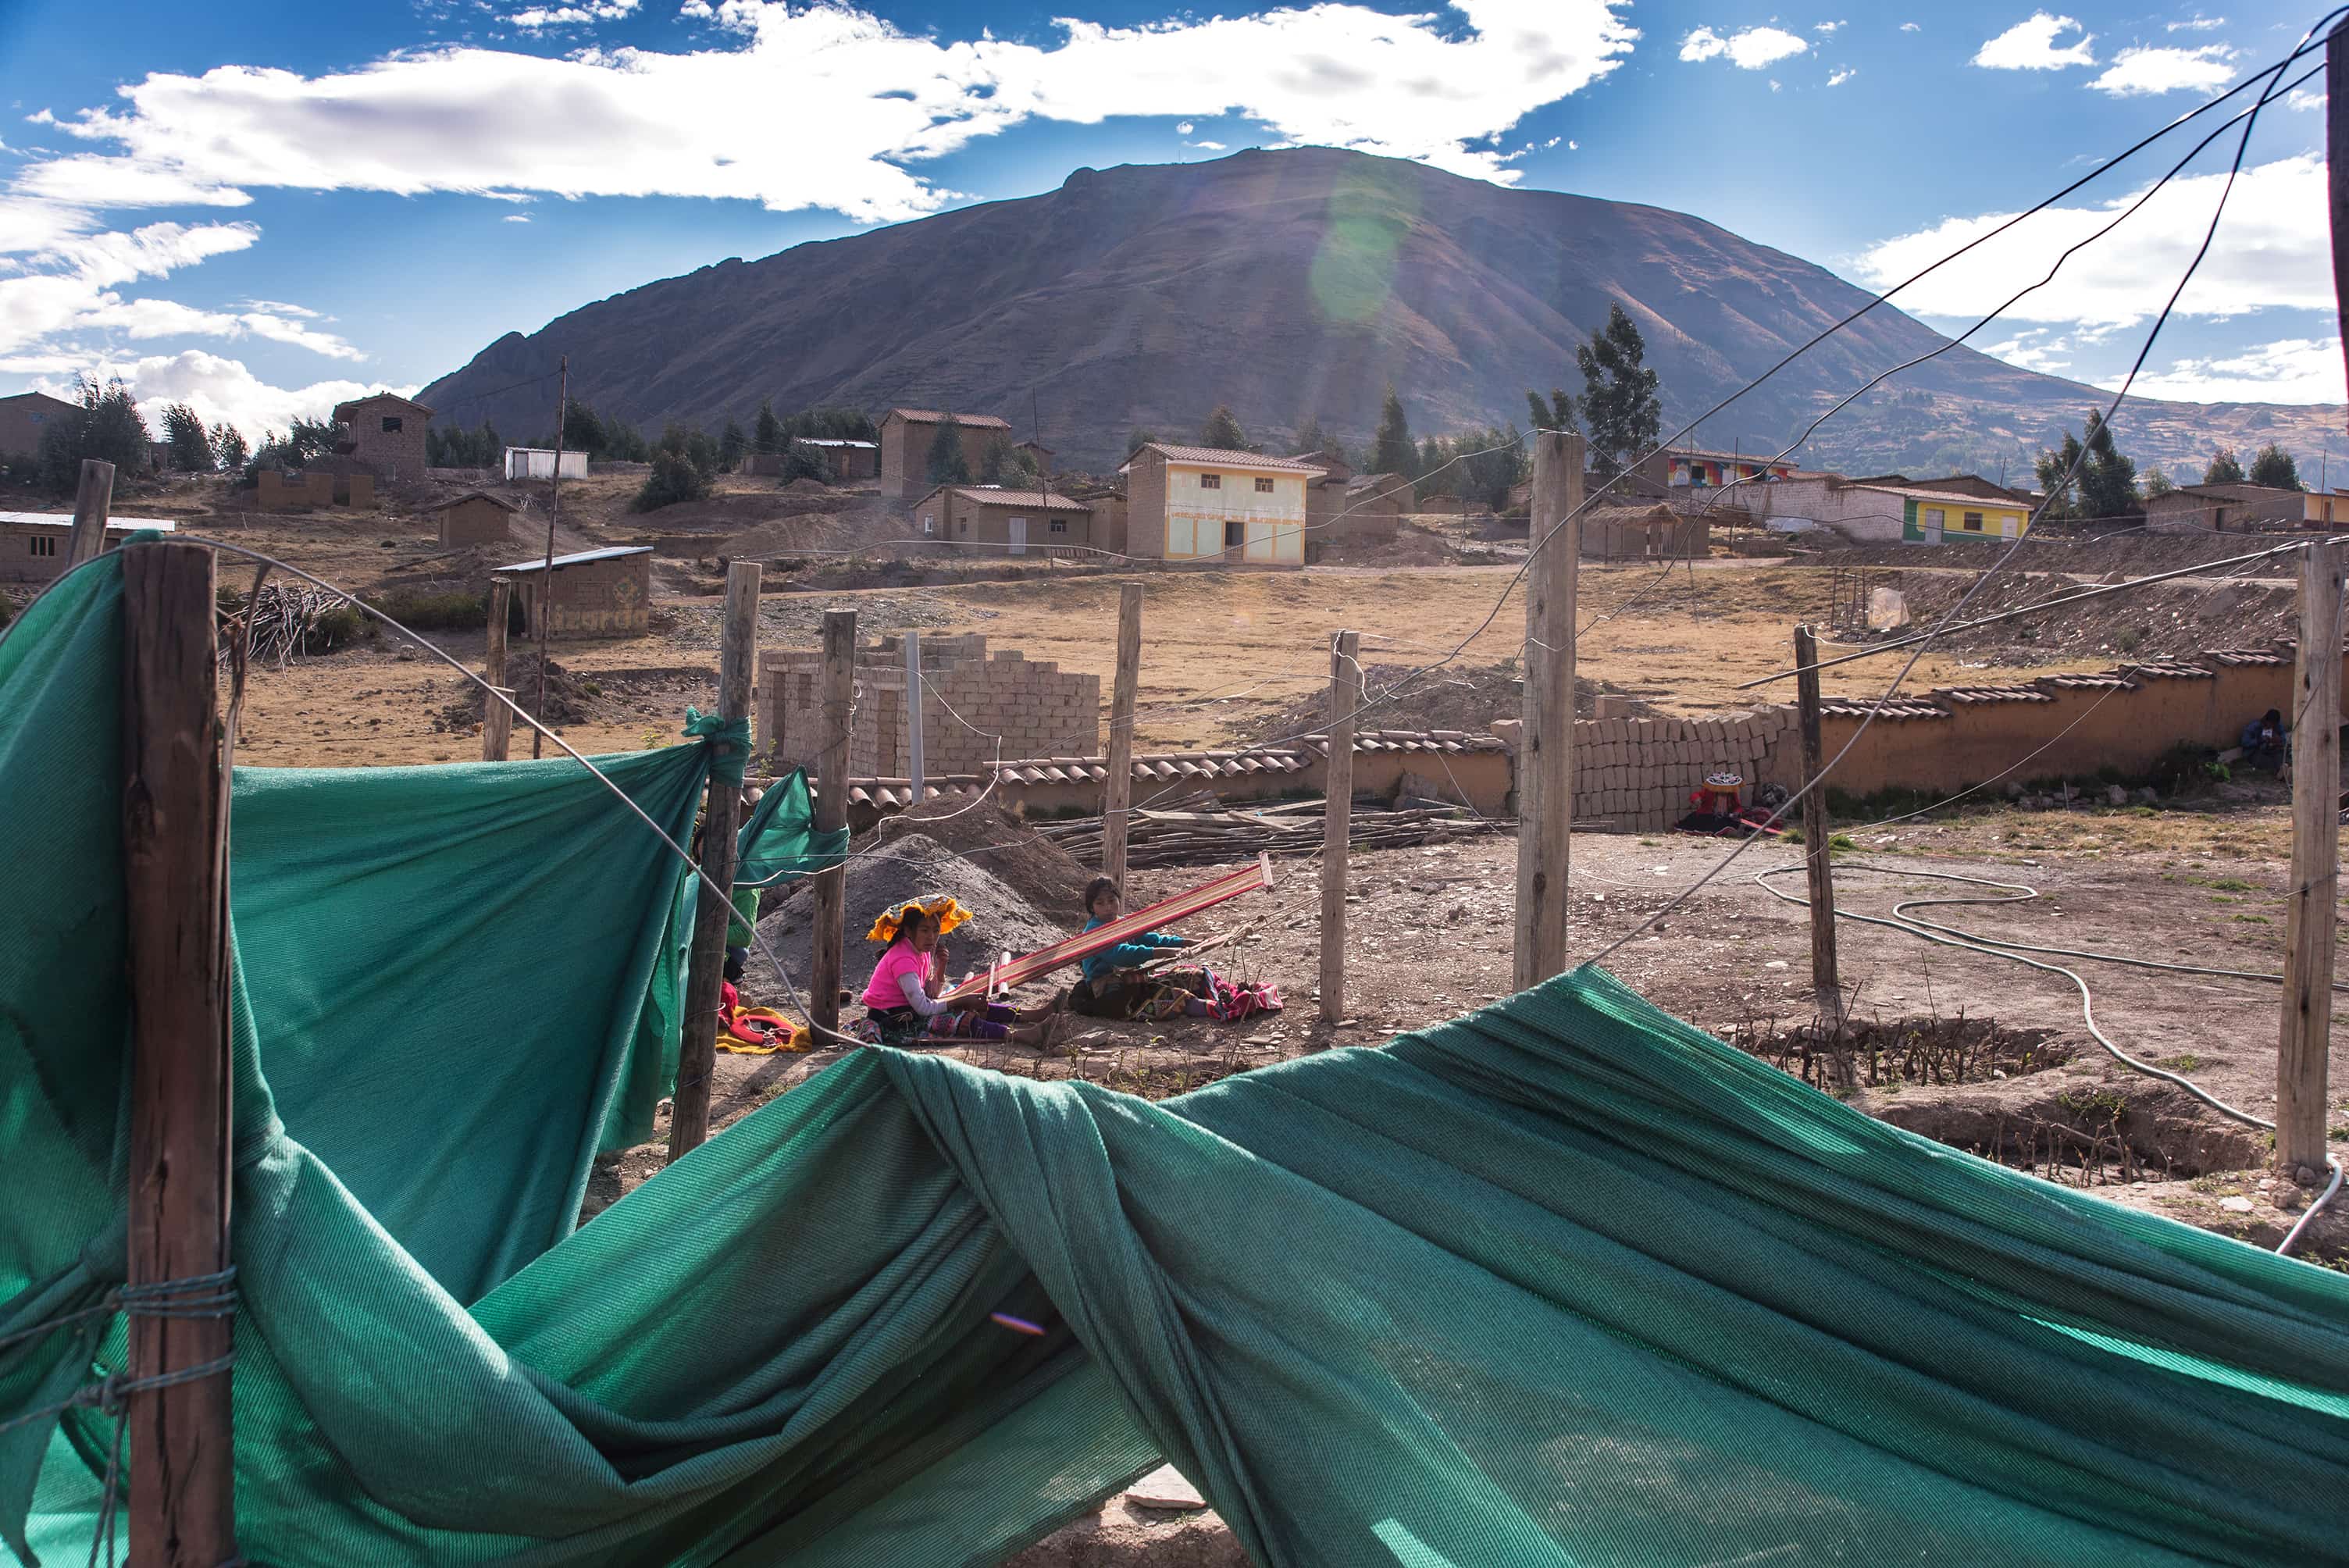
[(2167, 620), (1456, 697), (912, 866), (567, 693), (1023, 860)]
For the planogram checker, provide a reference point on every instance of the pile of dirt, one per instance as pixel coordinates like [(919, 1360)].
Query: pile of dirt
[(1456, 697), (567, 693), (1023, 860), (911, 866), (2167, 620)]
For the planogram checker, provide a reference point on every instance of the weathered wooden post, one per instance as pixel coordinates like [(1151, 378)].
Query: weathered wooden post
[(93, 500), (1338, 817), (831, 805), (697, 1055), (174, 873), (915, 762), (497, 719), (1546, 746), (1824, 980), (2314, 894), (1117, 798)]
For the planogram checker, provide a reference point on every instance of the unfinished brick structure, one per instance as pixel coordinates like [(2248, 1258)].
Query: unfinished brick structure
[(302, 490), (476, 517), (908, 434), (594, 594), (1037, 709), (385, 432)]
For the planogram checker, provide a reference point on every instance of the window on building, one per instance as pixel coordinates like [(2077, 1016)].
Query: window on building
[(929, 523), (1973, 522), (963, 527), (391, 424), (1264, 487), (1211, 481), (1059, 525), (42, 546), (1235, 533)]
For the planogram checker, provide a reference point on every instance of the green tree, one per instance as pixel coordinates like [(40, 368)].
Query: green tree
[(674, 479), (1222, 431), (1432, 455), (768, 431), (731, 444), (229, 447), (1309, 436), (2224, 469), (105, 425), (1557, 414), (190, 443), (1619, 396), (583, 431), (801, 461), (2156, 482), (947, 463), (2273, 466), (1138, 439), (1391, 451), (2103, 480), (997, 459)]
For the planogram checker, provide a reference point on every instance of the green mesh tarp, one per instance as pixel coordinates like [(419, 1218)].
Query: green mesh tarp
[(1562, 1281)]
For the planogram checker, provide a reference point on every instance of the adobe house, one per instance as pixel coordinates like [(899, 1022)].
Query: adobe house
[(301, 490), (2229, 508), (594, 593), (33, 545), (477, 517), (848, 461), (987, 521), (23, 418), (1208, 505), (907, 435), (385, 432), (1365, 506)]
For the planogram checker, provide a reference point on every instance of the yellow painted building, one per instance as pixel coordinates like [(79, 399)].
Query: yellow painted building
[(1206, 504), (1929, 517)]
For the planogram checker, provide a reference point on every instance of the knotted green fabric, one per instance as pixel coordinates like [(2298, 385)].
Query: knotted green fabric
[(1565, 1281), (728, 742)]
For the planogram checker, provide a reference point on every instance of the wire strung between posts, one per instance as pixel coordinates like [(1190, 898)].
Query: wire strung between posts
[(1900, 919), (1951, 616)]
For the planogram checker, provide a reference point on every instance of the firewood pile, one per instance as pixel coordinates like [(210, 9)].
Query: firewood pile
[(288, 620), (1209, 834)]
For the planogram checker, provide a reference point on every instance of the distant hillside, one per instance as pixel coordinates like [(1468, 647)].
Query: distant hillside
[(1294, 285)]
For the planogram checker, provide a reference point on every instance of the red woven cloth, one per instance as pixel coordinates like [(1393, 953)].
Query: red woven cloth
[(1075, 949)]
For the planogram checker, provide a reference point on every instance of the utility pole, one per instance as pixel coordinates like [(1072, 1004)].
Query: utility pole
[(546, 570), (92, 501), (914, 758), (1338, 817), (497, 719), (838, 692), (721, 818), (1546, 746), (179, 1439), (1825, 982), (1117, 796)]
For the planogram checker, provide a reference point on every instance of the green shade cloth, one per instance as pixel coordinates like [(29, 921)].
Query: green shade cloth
[(1562, 1281)]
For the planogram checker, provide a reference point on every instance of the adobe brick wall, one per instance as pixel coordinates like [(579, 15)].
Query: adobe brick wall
[(969, 699), (475, 521), (394, 454), (1145, 506), (905, 454), (607, 598), (1635, 775)]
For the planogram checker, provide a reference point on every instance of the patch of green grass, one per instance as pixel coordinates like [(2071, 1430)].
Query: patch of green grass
[(1652, 843), (2231, 885), (2253, 919), (1841, 841), (2184, 1062)]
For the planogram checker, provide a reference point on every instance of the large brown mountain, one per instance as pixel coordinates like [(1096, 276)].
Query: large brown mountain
[(1300, 283)]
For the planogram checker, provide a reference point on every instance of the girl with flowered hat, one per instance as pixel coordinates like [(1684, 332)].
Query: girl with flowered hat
[(901, 1001)]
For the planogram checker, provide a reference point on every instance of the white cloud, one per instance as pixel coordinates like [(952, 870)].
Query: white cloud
[(2267, 255), (1842, 77), (517, 218), (2030, 45), (1910, 27), (1825, 26), (1184, 128), (823, 104), (2021, 351), (2135, 73), (279, 307), (1749, 49), (1774, 84), (2195, 25), (2302, 99), (535, 18), (219, 388), (2291, 370), (1574, 147), (1210, 146)]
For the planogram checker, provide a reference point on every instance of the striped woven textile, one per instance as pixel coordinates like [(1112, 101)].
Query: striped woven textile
[(1076, 949)]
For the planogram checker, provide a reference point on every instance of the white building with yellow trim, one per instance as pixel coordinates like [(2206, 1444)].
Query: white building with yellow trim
[(1206, 504)]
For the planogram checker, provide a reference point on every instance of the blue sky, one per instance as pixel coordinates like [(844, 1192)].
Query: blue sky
[(241, 207)]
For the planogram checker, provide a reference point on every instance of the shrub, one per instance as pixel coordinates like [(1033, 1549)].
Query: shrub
[(674, 479), (336, 628), (450, 611)]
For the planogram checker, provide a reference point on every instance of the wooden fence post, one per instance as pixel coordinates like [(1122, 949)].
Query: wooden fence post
[(92, 501), (1338, 816), (1546, 746), (721, 818), (2314, 900), (497, 719), (175, 876), (1825, 982), (1117, 798), (916, 763), (838, 693)]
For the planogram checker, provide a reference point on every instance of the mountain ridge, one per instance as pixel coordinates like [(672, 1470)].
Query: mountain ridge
[(1296, 284)]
